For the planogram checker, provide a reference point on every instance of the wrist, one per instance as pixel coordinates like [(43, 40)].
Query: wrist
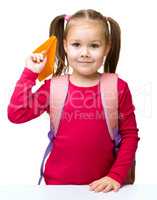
[(34, 70), (116, 178), (28, 72)]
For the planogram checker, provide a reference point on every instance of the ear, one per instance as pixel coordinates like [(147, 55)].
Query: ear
[(65, 45)]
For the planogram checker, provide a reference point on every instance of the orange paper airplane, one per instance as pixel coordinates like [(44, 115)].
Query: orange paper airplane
[(50, 47)]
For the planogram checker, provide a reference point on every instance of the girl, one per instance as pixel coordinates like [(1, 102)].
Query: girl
[(82, 150)]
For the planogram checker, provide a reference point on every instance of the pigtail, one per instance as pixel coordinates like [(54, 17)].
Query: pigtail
[(57, 29), (115, 39)]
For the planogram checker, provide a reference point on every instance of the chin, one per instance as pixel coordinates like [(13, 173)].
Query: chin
[(87, 73), (84, 70)]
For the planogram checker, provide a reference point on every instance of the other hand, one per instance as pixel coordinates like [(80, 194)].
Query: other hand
[(105, 184)]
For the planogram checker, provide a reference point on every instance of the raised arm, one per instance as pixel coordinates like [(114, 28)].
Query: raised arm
[(24, 104)]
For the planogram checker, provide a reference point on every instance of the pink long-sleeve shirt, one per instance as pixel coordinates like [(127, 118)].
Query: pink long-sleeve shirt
[(82, 150)]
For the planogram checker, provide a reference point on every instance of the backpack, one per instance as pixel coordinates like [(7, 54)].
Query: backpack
[(109, 98)]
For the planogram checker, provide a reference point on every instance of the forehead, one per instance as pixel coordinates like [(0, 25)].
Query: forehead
[(86, 29)]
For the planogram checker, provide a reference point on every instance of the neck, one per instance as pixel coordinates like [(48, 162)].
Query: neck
[(88, 80)]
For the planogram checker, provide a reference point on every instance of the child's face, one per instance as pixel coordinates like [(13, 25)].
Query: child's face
[(85, 46)]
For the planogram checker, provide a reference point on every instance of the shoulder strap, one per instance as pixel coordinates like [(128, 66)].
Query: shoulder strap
[(58, 93), (109, 97)]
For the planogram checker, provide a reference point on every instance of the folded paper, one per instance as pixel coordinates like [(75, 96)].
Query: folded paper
[(50, 47)]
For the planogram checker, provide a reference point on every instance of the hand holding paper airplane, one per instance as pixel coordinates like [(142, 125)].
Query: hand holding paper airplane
[(42, 59)]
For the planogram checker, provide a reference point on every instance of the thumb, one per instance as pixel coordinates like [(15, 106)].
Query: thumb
[(45, 60)]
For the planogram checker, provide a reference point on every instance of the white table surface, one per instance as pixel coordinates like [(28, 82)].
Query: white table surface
[(76, 192)]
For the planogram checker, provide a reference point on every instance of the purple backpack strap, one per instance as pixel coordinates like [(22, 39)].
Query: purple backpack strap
[(58, 94), (47, 151)]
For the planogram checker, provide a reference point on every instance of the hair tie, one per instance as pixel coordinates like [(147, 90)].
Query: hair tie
[(67, 17)]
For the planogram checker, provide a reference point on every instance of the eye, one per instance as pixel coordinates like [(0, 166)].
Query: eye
[(95, 45), (76, 44)]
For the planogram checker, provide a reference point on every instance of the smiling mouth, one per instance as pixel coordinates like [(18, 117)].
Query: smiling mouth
[(85, 62)]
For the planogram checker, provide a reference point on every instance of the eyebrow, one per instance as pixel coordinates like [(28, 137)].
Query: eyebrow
[(73, 40)]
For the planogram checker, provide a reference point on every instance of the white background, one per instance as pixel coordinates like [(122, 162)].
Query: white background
[(24, 25)]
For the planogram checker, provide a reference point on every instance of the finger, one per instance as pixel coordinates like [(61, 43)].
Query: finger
[(34, 57), (108, 188), (116, 188), (94, 185), (38, 58), (100, 188), (41, 57), (44, 61)]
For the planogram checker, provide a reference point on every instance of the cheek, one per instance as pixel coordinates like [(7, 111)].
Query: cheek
[(98, 56), (72, 54)]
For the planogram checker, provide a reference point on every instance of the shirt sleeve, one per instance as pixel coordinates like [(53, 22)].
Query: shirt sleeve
[(129, 134), (24, 104)]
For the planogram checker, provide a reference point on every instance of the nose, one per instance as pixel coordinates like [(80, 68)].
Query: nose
[(84, 52)]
